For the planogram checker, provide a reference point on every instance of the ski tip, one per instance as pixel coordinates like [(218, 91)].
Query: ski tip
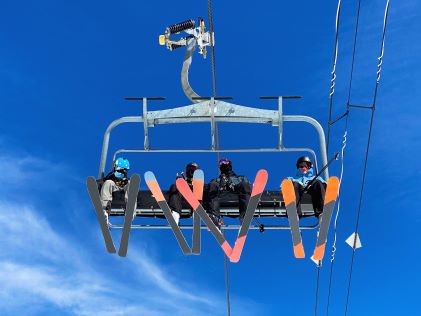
[(134, 183), (198, 182), (154, 186), (332, 189), (288, 192), (299, 251), (135, 177), (286, 183), (262, 173), (334, 179), (259, 182), (319, 252), (91, 183), (149, 176), (238, 249), (227, 249), (122, 253), (90, 179), (198, 188), (198, 174)]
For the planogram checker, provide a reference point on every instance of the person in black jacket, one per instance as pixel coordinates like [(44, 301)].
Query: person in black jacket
[(226, 184), (175, 198)]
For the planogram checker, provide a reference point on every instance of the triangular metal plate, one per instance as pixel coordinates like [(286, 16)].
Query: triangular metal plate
[(354, 238)]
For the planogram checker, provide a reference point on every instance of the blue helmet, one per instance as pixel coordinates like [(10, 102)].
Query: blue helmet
[(121, 165)]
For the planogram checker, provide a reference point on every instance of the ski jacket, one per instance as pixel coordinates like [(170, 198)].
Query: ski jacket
[(303, 179), (229, 181), (121, 182)]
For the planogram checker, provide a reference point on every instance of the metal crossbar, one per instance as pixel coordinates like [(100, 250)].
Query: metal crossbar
[(214, 111)]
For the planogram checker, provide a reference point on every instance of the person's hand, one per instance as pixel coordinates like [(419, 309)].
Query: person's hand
[(122, 182)]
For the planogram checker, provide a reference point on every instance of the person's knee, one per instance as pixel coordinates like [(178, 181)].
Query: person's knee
[(296, 185), (317, 183), (173, 189), (214, 203), (245, 187), (213, 186), (108, 183)]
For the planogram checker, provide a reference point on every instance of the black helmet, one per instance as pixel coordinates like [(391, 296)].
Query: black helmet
[(225, 165), (306, 160), (190, 169)]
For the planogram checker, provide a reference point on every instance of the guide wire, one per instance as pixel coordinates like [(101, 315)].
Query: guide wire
[(335, 225), (380, 61), (332, 259), (333, 79)]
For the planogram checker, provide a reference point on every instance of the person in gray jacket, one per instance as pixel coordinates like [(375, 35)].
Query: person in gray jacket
[(116, 180)]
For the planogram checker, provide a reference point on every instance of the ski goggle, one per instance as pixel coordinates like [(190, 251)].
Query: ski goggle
[(223, 162), (303, 165), (119, 175)]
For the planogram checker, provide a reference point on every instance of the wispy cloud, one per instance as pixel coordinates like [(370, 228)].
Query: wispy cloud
[(160, 279), (39, 264)]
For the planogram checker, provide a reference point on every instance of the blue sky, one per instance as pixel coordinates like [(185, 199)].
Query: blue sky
[(65, 68)]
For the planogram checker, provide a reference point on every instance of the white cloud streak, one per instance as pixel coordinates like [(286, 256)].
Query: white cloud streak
[(40, 265)]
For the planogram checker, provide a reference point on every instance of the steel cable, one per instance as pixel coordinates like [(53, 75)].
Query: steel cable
[(333, 79), (380, 61), (217, 139), (342, 157)]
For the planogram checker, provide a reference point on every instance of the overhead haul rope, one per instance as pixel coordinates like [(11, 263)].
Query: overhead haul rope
[(332, 259), (217, 138), (373, 107)]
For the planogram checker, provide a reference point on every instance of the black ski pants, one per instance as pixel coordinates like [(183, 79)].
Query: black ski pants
[(175, 199), (317, 192), (214, 197)]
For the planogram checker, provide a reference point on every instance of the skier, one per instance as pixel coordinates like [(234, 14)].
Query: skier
[(227, 183), (116, 180), (175, 198), (317, 187)]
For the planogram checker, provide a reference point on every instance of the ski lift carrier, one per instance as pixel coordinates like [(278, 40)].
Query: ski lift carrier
[(210, 110)]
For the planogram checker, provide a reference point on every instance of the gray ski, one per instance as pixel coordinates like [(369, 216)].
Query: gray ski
[(198, 184), (259, 185), (288, 193), (160, 199), (129, 214), (332, 191), (92, 187)]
